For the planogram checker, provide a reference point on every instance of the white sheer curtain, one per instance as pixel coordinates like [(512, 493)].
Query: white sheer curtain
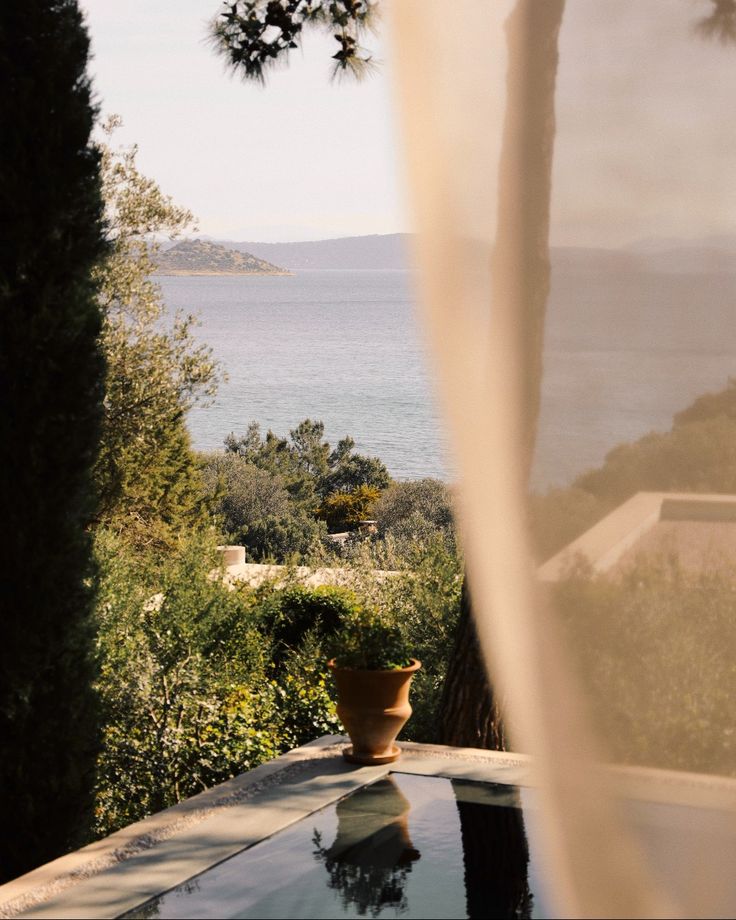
[(478, 85)]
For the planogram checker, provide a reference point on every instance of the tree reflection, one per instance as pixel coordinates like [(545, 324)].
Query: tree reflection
[(372, 853), (495, 857)]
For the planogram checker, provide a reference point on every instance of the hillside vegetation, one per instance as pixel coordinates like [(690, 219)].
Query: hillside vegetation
[(200, 257)]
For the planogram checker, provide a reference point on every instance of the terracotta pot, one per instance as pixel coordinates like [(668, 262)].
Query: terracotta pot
[(373, 706)]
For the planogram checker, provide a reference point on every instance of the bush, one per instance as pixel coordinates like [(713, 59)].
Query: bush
[(345, 510), (655, 648), (288, 616), (371, 640), (305, 695), (308, 466), (696, 457), (426, 599), (198, 682), (410, 515), (414, 509), (183, 685), (256, 510)]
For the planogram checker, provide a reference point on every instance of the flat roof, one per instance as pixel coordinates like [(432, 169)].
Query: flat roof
[(702, 527)]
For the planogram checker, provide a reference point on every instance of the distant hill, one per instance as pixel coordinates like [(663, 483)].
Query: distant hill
[(391, 251), (378, 251), (200, 257)]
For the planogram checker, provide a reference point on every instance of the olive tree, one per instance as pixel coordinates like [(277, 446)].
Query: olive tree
[(147, 476)]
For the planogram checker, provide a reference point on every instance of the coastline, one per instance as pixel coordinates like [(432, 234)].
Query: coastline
[(193, 272)]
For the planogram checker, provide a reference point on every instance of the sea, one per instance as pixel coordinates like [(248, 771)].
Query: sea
[(623, 353)]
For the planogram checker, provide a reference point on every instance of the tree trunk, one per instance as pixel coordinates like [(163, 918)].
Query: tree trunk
[(469, 713)]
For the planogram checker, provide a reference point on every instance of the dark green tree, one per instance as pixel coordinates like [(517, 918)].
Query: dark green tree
[(255, 509), (146, 475), (51, 386), (308, 467)]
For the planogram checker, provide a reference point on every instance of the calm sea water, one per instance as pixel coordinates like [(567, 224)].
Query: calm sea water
[(623, 354)]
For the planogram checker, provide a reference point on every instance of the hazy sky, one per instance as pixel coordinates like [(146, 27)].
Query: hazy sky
[(645, 147), (302, 158)]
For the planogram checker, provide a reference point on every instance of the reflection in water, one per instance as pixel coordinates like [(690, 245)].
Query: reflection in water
[(495, 857), (372, 852)]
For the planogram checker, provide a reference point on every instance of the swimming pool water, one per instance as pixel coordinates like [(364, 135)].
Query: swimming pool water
[(405, 846)]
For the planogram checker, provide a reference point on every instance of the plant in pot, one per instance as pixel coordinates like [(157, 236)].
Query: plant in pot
[(373, 669)]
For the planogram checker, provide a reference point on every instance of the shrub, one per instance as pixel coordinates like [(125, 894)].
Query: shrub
[(345, 510), (198, 682), (370, 640), (696, 457), (183, 685), (288, 616), (426, 599), (655, 648), (414, 509), (305, 695), (256, 510)]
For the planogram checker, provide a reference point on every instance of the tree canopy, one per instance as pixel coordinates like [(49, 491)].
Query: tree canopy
[(147, 477), (51, 387), (254, 34)]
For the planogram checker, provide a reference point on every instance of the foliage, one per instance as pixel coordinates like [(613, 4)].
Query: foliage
[(254, 34), (415, 510), (371, 640), (345, 510), (185, 698), (695, 457), (698, 454), (146, 474), (559, 516), (304, 695), (271, 493), (199, 682), (710, 406), (720, 24), (51, 380), (292, 614), (308, 466), (656, 648), (426, 599), (256, 510), (348, 471)]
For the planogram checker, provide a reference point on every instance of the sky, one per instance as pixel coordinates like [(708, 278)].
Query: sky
[(645, 141), (302, 158)]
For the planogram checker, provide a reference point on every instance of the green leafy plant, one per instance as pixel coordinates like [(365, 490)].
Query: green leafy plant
[(347, 509), (370, 641)]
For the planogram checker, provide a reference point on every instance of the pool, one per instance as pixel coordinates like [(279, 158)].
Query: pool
[(445, 833), (407, 846)]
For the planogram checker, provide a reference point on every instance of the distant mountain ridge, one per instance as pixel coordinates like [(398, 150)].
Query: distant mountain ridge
[(201, 257), (391, 251), (378, 251)]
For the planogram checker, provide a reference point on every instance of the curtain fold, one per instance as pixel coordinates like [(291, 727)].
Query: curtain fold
[(477, 86)]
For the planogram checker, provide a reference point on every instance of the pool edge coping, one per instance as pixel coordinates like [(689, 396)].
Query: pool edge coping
[(30, 894), (295, 785)]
